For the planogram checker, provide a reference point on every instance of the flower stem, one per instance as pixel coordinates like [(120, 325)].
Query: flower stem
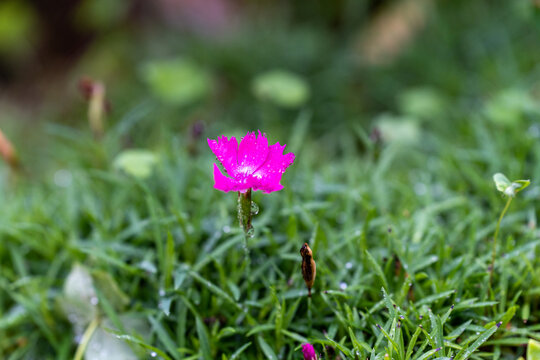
[(494, 251), (86, 339), (244, 217), (309, 316), (244, 212)]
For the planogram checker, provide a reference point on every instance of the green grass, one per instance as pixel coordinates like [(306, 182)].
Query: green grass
[(389, 259), (401, 230)]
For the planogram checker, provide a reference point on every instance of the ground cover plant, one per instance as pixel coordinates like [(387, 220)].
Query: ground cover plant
[(115, 242)]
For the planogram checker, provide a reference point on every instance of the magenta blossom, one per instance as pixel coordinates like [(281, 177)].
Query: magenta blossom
[(252, 165), (309, 352)]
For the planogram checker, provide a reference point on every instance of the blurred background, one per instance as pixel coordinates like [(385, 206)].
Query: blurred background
[(385, 68)]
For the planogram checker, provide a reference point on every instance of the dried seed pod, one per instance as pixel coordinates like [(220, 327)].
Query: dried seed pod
[(7, 151), (308, 267)]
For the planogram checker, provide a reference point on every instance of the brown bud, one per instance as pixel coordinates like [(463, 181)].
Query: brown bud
[(7, 152), (309, 269), (94, 92)]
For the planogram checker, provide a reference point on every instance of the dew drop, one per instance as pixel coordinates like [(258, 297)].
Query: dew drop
[(153, 354), (254, 208), (348, 265), (226, 229), (94, 300), (250, 232), (343, 285)]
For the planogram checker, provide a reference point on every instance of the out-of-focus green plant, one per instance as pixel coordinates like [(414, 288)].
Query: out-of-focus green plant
[(510, 106), (177, 82), (136, 162), (398, 129), (533, 350), (17, 28), (510, 189), (422, 103), (100, 14), (282, 88)]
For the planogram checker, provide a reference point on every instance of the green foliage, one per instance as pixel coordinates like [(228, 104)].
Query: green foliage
[(136, 162), (178, 82), (282, 88)]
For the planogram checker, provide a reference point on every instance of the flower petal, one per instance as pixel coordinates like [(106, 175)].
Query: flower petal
[(267, 178), (221, 182), (308, 352), (252, 152), (226, 150)]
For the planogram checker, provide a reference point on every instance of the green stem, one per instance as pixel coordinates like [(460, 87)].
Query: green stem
[(86, 339), (244, 217), (244, 211), (494, 251), (309, 316)]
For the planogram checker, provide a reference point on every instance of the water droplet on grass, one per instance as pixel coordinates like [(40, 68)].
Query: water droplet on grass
[(343, 285), (250, 233), (348, 265)]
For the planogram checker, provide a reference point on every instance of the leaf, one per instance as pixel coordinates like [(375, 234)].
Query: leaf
[(204, 343), (109, 288), (240, 350), (436, 329), (164, 337), (412, 343), (400, 130), (266, 349), (467, 352), (376, 268), (177, 82), (282, 88), (138, 163), (79, 298), (501, 182), (138, 342), (429, 353), (533, 350), (104, 346)]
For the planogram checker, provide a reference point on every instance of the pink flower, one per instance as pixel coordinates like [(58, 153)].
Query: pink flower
[(309, 352), (252, 165)]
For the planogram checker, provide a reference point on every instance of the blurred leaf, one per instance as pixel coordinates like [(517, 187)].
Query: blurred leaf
[(105, 346), (533, 350), (108, 286), (394, 129), (501, 181), (17, 25), (177, 82), (510, 106), (203, 338), (100, 14), (79, 298), (281, 88), (422, 103), (509, 188), (136, 162)]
